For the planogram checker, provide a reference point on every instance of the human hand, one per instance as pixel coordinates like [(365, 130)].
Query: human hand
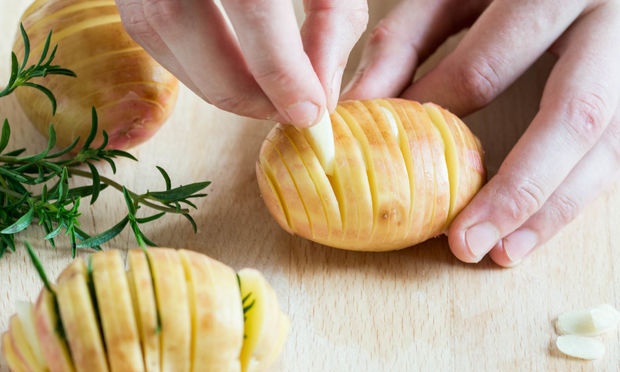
[(260, 64), (570, 152)]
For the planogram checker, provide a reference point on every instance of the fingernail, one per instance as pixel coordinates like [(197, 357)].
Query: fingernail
[(481, 238), (518, 244), (303, 113)]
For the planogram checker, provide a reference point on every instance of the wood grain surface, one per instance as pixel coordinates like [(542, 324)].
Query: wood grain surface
[(417, 309)]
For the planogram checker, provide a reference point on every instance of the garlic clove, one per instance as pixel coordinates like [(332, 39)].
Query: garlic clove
[(581, 347), (588, 322)]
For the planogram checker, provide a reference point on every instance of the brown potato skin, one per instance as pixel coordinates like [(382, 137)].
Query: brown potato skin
[(133, 94), (388, 190)]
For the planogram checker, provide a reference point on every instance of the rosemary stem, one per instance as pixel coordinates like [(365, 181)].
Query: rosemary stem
[(143, 200)]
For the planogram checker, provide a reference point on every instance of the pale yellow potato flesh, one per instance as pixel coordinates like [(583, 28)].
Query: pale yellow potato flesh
[(22, 347), (266, 326), (173, 308), (79, 319), (217, 318), (118, 321), (54, 346), (402, 171), (145, 308), (8, 350)]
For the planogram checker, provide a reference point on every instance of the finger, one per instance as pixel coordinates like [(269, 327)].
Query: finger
[(596, 173), (578, 102), (271, 43), (329, 32), (205, 53), (135, 23), (402, 40), (507, 38)]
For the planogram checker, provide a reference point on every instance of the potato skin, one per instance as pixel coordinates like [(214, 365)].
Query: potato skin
[(133, 94), (403, 170)]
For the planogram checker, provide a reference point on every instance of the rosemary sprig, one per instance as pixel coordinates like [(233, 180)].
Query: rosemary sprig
[(21, 73), (36, 189)]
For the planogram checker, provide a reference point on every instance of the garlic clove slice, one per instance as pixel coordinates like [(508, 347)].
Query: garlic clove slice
[(589, 322), (581, 347)]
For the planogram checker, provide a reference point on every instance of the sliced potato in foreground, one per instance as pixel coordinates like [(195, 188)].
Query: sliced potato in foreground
[(170, 310)]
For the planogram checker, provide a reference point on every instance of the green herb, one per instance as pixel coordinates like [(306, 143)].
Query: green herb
[(36, 189)]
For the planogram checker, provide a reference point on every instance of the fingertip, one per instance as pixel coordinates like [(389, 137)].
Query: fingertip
[(458, 245), (500, 257)]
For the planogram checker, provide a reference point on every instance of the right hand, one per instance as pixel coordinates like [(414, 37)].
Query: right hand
[(260, 64)]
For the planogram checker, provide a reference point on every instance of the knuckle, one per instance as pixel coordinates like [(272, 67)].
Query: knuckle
[(274, 74), (612, 137), (477, 83), (383, 32), (140, 18), (523, 198), (248, 104), (587, 116), (358, 19), (163, 11), (564, 209)]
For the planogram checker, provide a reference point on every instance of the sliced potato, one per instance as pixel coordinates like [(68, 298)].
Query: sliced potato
[(172, 310), (402, 171)]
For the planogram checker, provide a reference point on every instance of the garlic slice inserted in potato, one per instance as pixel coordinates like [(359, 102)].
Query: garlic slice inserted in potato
[(321, 138)]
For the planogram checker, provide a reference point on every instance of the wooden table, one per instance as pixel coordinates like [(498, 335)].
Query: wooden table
[(417, 309)]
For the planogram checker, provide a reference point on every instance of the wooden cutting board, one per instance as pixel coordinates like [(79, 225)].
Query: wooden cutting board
[(417, 309)]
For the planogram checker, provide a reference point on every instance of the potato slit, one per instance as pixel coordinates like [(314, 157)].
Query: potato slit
[(172, 305), (145, 304), (390, 129), (271, 182), (450, 152), (362, 140), (295, 184), (95, 302), (77, 312), (81, 26), (296, 142), (10, 354), (406, 153), (350, 209), (280, 177), (73, 8), (192, 309)]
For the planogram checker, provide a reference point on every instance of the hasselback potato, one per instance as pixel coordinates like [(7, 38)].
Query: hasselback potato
[(171, 310), (401, 172), (132, 93)]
